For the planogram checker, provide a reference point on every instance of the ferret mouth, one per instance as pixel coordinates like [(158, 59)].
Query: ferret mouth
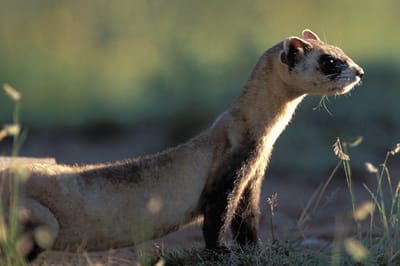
[(347, 85)]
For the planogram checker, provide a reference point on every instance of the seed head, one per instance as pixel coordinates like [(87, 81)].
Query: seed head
[(273, 202), (337, 149), (395, 150), (371, 168), (11, 92)]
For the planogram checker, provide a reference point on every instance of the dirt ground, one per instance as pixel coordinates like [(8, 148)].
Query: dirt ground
[(293, 195)]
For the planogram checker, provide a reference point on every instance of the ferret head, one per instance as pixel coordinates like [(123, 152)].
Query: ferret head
[(311, 66)]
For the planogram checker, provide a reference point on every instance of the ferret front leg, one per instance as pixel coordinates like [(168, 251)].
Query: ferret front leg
[(246, 218), (214, 218)]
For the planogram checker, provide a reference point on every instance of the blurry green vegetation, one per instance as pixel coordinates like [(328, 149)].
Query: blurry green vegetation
[(128, 61)]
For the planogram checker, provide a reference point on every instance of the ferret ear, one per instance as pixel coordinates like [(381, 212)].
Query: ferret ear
[(293, 49), (308, 34)]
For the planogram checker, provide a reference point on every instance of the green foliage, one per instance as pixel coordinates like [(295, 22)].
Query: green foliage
[(132, 60)]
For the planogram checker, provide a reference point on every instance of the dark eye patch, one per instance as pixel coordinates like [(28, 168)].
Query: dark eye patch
[(331, 66)]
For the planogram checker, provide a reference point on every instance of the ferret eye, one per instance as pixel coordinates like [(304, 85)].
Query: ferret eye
[(330, 65)]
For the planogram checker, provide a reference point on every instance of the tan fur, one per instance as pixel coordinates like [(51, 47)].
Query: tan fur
[(219, 172)]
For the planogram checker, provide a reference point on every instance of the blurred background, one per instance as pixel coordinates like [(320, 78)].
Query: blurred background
[(105, 80)]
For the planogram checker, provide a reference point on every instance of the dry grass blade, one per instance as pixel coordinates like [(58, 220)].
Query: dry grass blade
[(12, 130), (395, 150), (356, 249), (13, 93), (356, 142), (366, 208), (273, 202), (337, 149), (371, 168), (3, 134)]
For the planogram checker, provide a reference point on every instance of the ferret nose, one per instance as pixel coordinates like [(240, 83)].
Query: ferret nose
[(359, 72)]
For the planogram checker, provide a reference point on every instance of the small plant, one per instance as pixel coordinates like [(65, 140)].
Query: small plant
[(11, 244), (14, 128), (272, 203), (380, 245), (388, 215)]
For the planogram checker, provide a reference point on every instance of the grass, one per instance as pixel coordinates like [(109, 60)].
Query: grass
[(277, 253), (12, 243)]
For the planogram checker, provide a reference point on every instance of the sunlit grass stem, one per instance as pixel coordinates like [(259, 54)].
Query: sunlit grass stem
[(9, 249), (315, 200), (348, 175), (16, 137), (389, 220)]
